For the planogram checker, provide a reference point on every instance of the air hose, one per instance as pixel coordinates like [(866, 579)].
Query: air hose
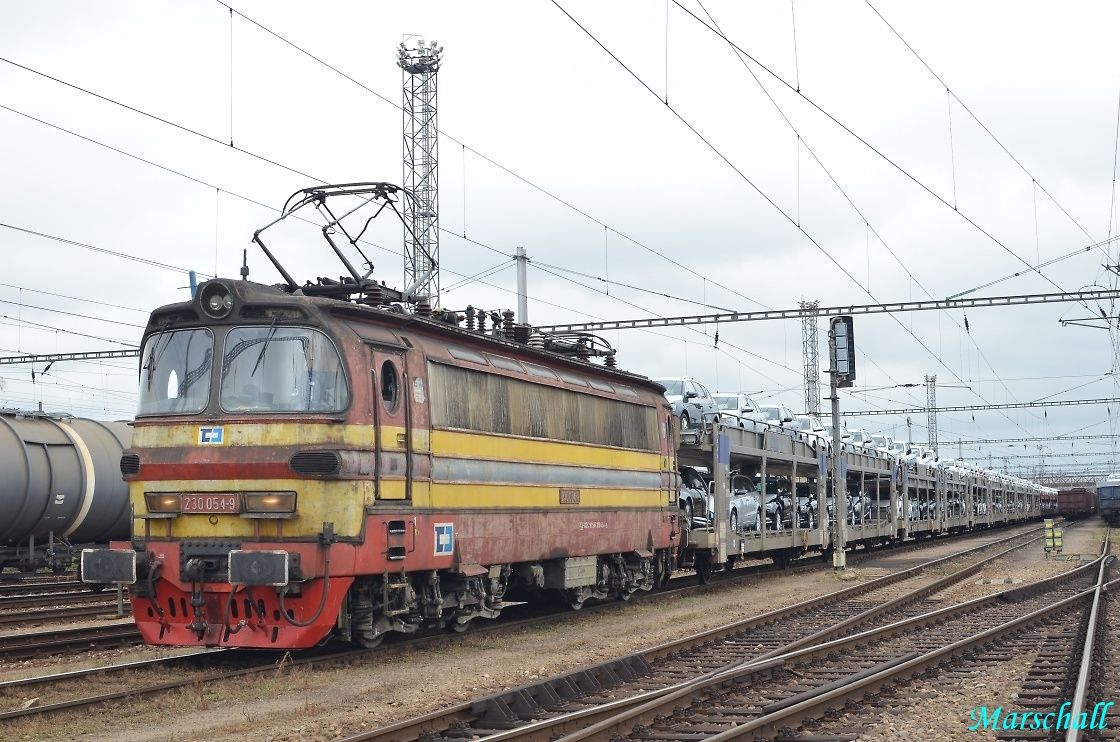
[(322, 600)]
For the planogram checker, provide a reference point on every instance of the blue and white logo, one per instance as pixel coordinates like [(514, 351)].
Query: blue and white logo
[(214, 436), (445, 538)]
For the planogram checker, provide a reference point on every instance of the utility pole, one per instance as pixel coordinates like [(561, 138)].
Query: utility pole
[(931, 411), (522, 289), (419, 66), (842, 373), (909, 431), (810, 353)]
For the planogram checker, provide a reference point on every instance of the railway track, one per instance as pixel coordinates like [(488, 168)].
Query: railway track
[(233, 660), (55, 641), (55, 584), (560, 706), (63, 613), (1097, 655), (54, 602)]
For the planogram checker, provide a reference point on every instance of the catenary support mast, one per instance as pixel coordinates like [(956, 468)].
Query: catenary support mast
[(419, 66)]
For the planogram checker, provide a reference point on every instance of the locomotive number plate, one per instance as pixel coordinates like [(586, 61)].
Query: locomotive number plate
[(210, 504)]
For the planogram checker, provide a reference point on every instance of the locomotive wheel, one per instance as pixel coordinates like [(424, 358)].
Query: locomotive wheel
[(371, 643), (458, 628), (662, 572), (576, 597)]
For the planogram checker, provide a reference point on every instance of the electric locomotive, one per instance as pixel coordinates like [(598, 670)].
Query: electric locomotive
[(337, 459), (304, 467)]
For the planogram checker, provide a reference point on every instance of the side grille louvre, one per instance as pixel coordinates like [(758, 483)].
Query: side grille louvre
[(130, 464), (316, 463)]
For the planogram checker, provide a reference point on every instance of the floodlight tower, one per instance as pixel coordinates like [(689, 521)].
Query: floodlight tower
[(931, 410), (812, 359), (419, 66)]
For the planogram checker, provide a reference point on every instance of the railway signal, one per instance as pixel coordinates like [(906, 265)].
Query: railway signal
[(842, 356)]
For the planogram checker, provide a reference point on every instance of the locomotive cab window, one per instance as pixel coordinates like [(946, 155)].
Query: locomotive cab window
[(175, 372), (390, 386), (282, 369)]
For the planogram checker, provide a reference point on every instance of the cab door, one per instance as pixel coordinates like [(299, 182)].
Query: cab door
[(392, 420)]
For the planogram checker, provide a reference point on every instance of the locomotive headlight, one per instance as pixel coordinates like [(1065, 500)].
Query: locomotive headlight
[(216, 299), (270, 504), (162, 502)]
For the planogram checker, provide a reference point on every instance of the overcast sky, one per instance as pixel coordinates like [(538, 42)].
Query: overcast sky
[(608, 180)]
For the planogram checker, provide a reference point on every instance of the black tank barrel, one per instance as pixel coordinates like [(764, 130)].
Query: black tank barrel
[(61, 475)]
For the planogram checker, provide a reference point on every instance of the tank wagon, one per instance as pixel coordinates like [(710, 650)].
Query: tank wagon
[(1108, 499), (62, 488), (1077, 502), (304, 467)]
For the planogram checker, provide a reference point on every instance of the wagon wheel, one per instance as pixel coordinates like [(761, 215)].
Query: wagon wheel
[(703, 569)]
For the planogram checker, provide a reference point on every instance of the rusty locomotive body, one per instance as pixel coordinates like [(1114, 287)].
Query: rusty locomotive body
[(305, 467)]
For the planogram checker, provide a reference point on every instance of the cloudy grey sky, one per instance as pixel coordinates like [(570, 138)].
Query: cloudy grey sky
[(609, 181)]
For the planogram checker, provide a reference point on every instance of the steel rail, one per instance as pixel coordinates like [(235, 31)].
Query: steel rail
[(665, 700), (1084, 676), (652, 704), (54, 614), (857, 687), (412, 729), (34, 643), (49, 598), (13, 585), (409, 642)]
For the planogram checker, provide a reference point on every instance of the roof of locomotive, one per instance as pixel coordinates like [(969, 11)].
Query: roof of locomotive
[(259, 298)]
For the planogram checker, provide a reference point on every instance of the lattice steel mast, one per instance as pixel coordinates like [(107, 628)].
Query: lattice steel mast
[(810, 351), (419, 66)]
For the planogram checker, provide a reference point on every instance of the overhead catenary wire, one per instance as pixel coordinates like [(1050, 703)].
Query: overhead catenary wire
[(84, 299), (466, 147), (869, 228), (976, 118), (261, 204), (995, 240), (231, 11), (105, 251), (304, 174), (707, 142)]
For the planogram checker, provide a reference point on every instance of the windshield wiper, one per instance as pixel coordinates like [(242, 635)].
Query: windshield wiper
[(264, 347), (154, 358)]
